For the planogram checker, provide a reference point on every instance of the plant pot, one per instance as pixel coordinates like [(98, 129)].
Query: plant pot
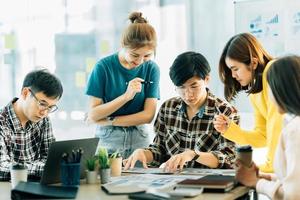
[(104, 175), (116, 166), (91, 177)]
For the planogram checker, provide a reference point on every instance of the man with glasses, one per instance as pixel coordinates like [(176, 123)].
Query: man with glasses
[(185, 135), (25, 128)]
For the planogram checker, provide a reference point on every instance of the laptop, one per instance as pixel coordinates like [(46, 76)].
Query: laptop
[(52, 167)]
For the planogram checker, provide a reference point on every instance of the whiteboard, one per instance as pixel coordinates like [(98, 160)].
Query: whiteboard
[(276, 23)]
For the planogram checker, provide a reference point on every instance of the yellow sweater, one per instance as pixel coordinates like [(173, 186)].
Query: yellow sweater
[(268, 125)]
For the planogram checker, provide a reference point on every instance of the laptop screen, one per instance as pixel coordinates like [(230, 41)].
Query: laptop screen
[(51, 173)]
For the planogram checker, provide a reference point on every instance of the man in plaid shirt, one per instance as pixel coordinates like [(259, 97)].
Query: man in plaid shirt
[(185, 134), (25, 128)]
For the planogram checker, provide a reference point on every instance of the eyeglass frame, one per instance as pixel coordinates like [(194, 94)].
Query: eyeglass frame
[(41, 105), (182, 91)]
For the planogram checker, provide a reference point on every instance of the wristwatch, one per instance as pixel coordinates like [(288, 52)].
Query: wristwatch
[(197, 154), (110, 120)]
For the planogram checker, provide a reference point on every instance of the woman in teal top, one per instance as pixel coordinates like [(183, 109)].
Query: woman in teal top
[(124, 88)]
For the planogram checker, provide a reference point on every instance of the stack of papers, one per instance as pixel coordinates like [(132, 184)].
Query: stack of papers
[(142, 182)]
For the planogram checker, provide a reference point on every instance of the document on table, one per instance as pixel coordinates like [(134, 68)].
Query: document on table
[(146, 171), (185, 171), (142, 182)]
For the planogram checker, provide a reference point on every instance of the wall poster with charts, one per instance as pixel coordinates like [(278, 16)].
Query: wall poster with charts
[(276, 23)]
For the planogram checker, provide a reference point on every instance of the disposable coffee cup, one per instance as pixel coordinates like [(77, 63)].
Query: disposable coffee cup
[(244, 154), (18, 173)]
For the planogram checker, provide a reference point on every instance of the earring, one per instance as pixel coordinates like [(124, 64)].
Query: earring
[(250, 85)]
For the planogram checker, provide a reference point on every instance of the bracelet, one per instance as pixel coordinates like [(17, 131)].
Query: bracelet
[(110, 120)]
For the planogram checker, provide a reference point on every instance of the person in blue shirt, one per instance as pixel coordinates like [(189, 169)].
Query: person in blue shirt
[(124, 89)]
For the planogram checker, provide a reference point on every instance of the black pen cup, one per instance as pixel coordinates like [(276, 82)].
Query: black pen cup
[(70, 174)]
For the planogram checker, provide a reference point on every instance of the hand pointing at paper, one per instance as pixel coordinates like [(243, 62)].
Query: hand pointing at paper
[(178, 161)]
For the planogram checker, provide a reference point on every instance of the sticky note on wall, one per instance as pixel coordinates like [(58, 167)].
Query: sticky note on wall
[(10, 41), (104, 47), (90, 63), (80, 79)]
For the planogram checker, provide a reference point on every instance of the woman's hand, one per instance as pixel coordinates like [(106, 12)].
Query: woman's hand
[(134, 86), (248, 176), (178, 161), (221, 123)]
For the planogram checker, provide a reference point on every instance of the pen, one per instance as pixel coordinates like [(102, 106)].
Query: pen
[(65, 157), (144, 82), (147, 82), (79, 154), (73, 156), (219, 111)]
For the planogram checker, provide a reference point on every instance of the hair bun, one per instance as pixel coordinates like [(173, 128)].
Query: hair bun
[(136, 17)]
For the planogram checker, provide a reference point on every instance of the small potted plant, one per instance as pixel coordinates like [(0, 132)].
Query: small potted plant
[(116, 163), (91, 173), (104, 165)]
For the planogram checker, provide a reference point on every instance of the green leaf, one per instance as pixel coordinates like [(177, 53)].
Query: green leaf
[(103, 158)]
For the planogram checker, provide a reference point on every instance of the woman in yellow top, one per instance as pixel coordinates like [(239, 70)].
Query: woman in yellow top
[(243, 66)]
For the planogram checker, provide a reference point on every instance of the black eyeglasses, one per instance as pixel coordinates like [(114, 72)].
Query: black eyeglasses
[(44, 106), (191, 89)]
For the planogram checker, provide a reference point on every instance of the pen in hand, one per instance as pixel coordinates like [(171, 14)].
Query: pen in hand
[(223, 113), (144, 82), (147, 82)]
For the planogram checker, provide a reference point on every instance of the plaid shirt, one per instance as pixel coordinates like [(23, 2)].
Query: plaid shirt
[(27, 145), (175, 132)]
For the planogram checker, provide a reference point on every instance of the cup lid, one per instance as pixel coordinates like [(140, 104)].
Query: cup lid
[(246, 148)]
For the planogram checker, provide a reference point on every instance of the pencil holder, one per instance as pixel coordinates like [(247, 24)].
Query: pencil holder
[(70, 174)]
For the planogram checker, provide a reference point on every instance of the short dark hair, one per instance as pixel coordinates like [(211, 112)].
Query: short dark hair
[(243, 48), (187, 65), (284, 80), (43, 81)]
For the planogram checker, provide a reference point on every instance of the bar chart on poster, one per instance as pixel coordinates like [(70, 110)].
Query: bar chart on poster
[(276, 23)]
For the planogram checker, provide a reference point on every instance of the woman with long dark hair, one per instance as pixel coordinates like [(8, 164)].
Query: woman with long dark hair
[(243, 66)]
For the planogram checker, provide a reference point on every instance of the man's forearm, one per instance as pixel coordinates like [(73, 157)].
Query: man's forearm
[(208, 159)]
